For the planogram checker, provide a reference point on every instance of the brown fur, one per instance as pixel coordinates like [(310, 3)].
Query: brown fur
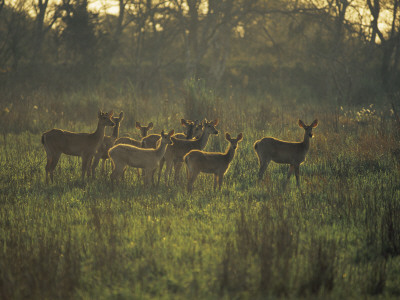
[(282, 152), (191, 127), (143, 133), (123, 155), (216, 163), (58, 141), (108, 142), (175, 153)]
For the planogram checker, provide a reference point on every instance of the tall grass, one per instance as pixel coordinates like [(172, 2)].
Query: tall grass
[(340, 238)]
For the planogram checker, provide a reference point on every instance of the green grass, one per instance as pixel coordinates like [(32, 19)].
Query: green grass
[(339, 239)]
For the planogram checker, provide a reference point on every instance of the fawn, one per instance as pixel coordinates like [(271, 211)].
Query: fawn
[(124, 155), (108, 142), (216, 163), (175, 153), (57, 141), (143, 133), (282, 152)]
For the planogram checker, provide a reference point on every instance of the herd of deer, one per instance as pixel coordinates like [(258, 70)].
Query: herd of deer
[(172, 149)]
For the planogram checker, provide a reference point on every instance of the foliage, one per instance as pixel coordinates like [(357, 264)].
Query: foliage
[(320, 49)]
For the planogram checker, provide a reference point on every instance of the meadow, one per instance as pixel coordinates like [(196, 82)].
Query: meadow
[(338, 239)]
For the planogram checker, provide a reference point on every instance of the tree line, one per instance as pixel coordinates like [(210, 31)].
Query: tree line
[(346, 49)]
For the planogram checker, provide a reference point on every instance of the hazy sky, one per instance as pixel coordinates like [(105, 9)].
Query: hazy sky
[(105, 5)]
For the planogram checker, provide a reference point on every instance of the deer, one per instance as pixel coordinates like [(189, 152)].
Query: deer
[(191, 127), (123, 155), (175, 153), (283, 152), (193, 130), (108, 142), (143, 133), (216, 163), (58, 141)]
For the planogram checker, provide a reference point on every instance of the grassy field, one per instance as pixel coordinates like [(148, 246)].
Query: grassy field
[(340, 239)]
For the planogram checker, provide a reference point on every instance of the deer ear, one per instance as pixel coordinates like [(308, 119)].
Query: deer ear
[(215, 122), (121, 115), (137, 124), (228, 136), (315, 123), (183, 122), (301, 124), (150, 126), (171, 133), (240, 137)]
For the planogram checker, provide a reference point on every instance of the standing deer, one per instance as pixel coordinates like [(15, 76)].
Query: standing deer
[(281, 152), (124, 155), (175, 153), (143, 133), (216, 163), (108, 142), (57, 141)]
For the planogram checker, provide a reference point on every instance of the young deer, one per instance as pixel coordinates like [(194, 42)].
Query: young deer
[(108, 142), (216, 163), (57, 141), (175, 153), (281, 152), (123, 155), (150, 141), (143, 133)]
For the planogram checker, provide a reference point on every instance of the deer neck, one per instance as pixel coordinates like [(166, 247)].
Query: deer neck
[(160, 149), (115, 133), (203, 139), (189, 133), (230, 153), (99, 133), (306, 141)]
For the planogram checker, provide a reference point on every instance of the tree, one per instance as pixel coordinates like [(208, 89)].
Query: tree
[(78, 32), (206, 23), (389, 40)]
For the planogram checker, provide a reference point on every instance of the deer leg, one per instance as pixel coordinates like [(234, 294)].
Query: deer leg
[(291, 169), (103, 166), (263, 167), (220, 180), (89, 166), (297, 174), (178, 166), (160, 169), (85, 165), (191, 179), (168, 170), (47, 168), (117, 172), (53, 166), (152, 176), (147, 174), (95, 163)]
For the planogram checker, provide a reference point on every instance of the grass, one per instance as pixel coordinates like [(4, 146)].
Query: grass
[(340, 239)]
